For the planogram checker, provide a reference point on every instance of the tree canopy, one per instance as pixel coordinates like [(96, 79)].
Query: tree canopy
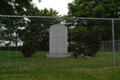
[(90, 33), (36, 28), (15, 7), (94, 8)]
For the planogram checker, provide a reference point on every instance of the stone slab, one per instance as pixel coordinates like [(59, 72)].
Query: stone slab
[(58, 45)]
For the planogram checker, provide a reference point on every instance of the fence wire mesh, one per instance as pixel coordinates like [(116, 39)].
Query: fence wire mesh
[(25, 41)]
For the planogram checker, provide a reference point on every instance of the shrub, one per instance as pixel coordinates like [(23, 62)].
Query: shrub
[(80, 48), (94, 39), (86, 40), (29, 49)]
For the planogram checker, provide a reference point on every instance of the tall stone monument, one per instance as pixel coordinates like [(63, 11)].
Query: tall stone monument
[(58, 45)]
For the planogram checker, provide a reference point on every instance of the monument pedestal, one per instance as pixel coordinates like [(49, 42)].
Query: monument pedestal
[(58, 55)]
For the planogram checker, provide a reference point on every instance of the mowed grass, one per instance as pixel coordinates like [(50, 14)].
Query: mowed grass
[(60, 74), (16, 59), (13, 66)]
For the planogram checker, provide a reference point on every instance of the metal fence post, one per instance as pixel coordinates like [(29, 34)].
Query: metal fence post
[(113, 43), (102, 46), (118, 45)]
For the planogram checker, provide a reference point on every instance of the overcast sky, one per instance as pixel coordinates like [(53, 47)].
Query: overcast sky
[(58, 5)]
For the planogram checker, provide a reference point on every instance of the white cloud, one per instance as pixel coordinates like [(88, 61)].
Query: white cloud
[(58, 5)]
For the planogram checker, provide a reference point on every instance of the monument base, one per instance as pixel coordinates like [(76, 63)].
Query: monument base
[(58, 56)]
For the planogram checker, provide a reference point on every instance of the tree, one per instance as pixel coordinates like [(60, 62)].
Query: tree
[(38, 28), (19, 28), (12, 25), (12, 7), (97, 9), (93, 9)]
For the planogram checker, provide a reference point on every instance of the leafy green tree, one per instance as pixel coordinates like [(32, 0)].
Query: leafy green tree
[(12, 7), (92, 9), (97, 9), (36, 31), (38, 28), (12, 25), (32, 31)]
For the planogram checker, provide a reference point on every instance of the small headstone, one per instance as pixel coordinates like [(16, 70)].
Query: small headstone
[(58, 45)]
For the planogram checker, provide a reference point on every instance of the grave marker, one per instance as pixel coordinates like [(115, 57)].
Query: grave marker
[(58, 45)]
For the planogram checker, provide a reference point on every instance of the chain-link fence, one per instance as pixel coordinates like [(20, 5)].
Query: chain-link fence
[(107, 46), (25, 41)]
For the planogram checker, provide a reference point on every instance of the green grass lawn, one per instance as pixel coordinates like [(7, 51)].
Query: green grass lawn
[(16, 59), (13, 66), (60, 74)]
